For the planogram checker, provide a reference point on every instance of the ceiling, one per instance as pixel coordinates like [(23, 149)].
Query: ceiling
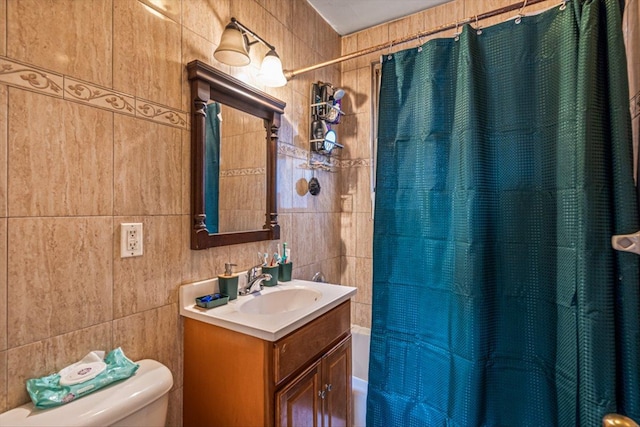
[(349, 16)]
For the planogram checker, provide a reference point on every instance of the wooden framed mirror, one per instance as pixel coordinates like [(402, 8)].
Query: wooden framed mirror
[(242, 103)]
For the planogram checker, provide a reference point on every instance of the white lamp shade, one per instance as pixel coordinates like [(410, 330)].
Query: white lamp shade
[(271, 71), (233, 49)]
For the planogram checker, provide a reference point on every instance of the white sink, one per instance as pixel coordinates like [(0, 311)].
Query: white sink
[(270, 314), (279, 301)]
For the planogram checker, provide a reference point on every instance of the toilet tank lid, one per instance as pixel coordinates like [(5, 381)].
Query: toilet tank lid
[(104, 407)]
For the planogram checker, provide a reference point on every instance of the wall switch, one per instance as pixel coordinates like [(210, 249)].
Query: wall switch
[(130, 239)]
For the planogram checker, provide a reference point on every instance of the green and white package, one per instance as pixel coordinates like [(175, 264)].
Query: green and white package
[(47, 392)]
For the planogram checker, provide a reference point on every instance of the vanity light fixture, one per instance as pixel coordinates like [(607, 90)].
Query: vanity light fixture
[(234, 50), (234, 47), (271, 70)]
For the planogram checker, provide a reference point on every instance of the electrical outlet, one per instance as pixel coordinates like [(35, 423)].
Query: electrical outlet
[(130, 239)]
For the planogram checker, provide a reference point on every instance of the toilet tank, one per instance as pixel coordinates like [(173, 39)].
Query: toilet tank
[(140, 400)]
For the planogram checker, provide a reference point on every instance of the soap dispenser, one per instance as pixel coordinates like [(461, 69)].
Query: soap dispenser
[(228, 282)]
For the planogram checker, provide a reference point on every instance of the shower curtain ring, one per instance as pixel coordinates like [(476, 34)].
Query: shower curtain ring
[(524, 4), (389, 56), (563, 6), (419, 44), (521, 12), (478, 29), (457, 33)]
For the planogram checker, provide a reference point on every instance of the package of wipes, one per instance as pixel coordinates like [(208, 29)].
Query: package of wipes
[(83, 377)]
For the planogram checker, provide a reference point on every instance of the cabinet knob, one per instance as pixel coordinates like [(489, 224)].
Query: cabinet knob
[(322, 394), (328, 387)]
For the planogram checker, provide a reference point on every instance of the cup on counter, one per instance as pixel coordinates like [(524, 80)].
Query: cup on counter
[(273, 271), (229, 286), (285, 272)]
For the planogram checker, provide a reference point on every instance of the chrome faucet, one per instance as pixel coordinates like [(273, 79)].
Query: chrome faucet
[(254, 281)]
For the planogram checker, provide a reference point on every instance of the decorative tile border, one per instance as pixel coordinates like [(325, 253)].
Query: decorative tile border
[(292, 151), (46, 82), (355, 163), (635, 106), (39, 80), (31, 78), (161, 114), (321, 158), (77, 90), (302, 154), (243, 172), (319, 161)]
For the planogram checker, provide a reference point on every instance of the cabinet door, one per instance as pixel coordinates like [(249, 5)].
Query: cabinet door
[(299, 403), (336, 376)]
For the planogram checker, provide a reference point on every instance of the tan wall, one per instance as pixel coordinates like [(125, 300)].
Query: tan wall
[(356, 223), (93, 132), (75, 163)]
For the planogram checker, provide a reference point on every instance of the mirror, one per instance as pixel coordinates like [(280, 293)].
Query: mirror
[(245, 124), (235, 170)]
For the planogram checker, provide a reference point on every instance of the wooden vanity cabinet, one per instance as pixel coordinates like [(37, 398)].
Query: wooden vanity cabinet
[(320, 396), (303, 379), (298, 404)]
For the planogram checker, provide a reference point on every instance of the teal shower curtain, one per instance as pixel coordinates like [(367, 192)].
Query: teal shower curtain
[(504, 167)]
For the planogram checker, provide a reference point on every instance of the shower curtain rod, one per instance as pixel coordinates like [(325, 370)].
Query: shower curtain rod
[(520, 5)]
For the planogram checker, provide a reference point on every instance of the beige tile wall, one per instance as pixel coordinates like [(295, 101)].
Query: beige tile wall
[(355, 222), (94, 132)]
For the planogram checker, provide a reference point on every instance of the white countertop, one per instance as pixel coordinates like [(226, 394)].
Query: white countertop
[(270, 327)]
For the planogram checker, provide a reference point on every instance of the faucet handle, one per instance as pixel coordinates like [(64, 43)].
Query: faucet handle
[(253, 272)]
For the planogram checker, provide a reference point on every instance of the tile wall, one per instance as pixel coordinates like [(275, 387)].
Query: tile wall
[(94, 119), (94, 132)]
